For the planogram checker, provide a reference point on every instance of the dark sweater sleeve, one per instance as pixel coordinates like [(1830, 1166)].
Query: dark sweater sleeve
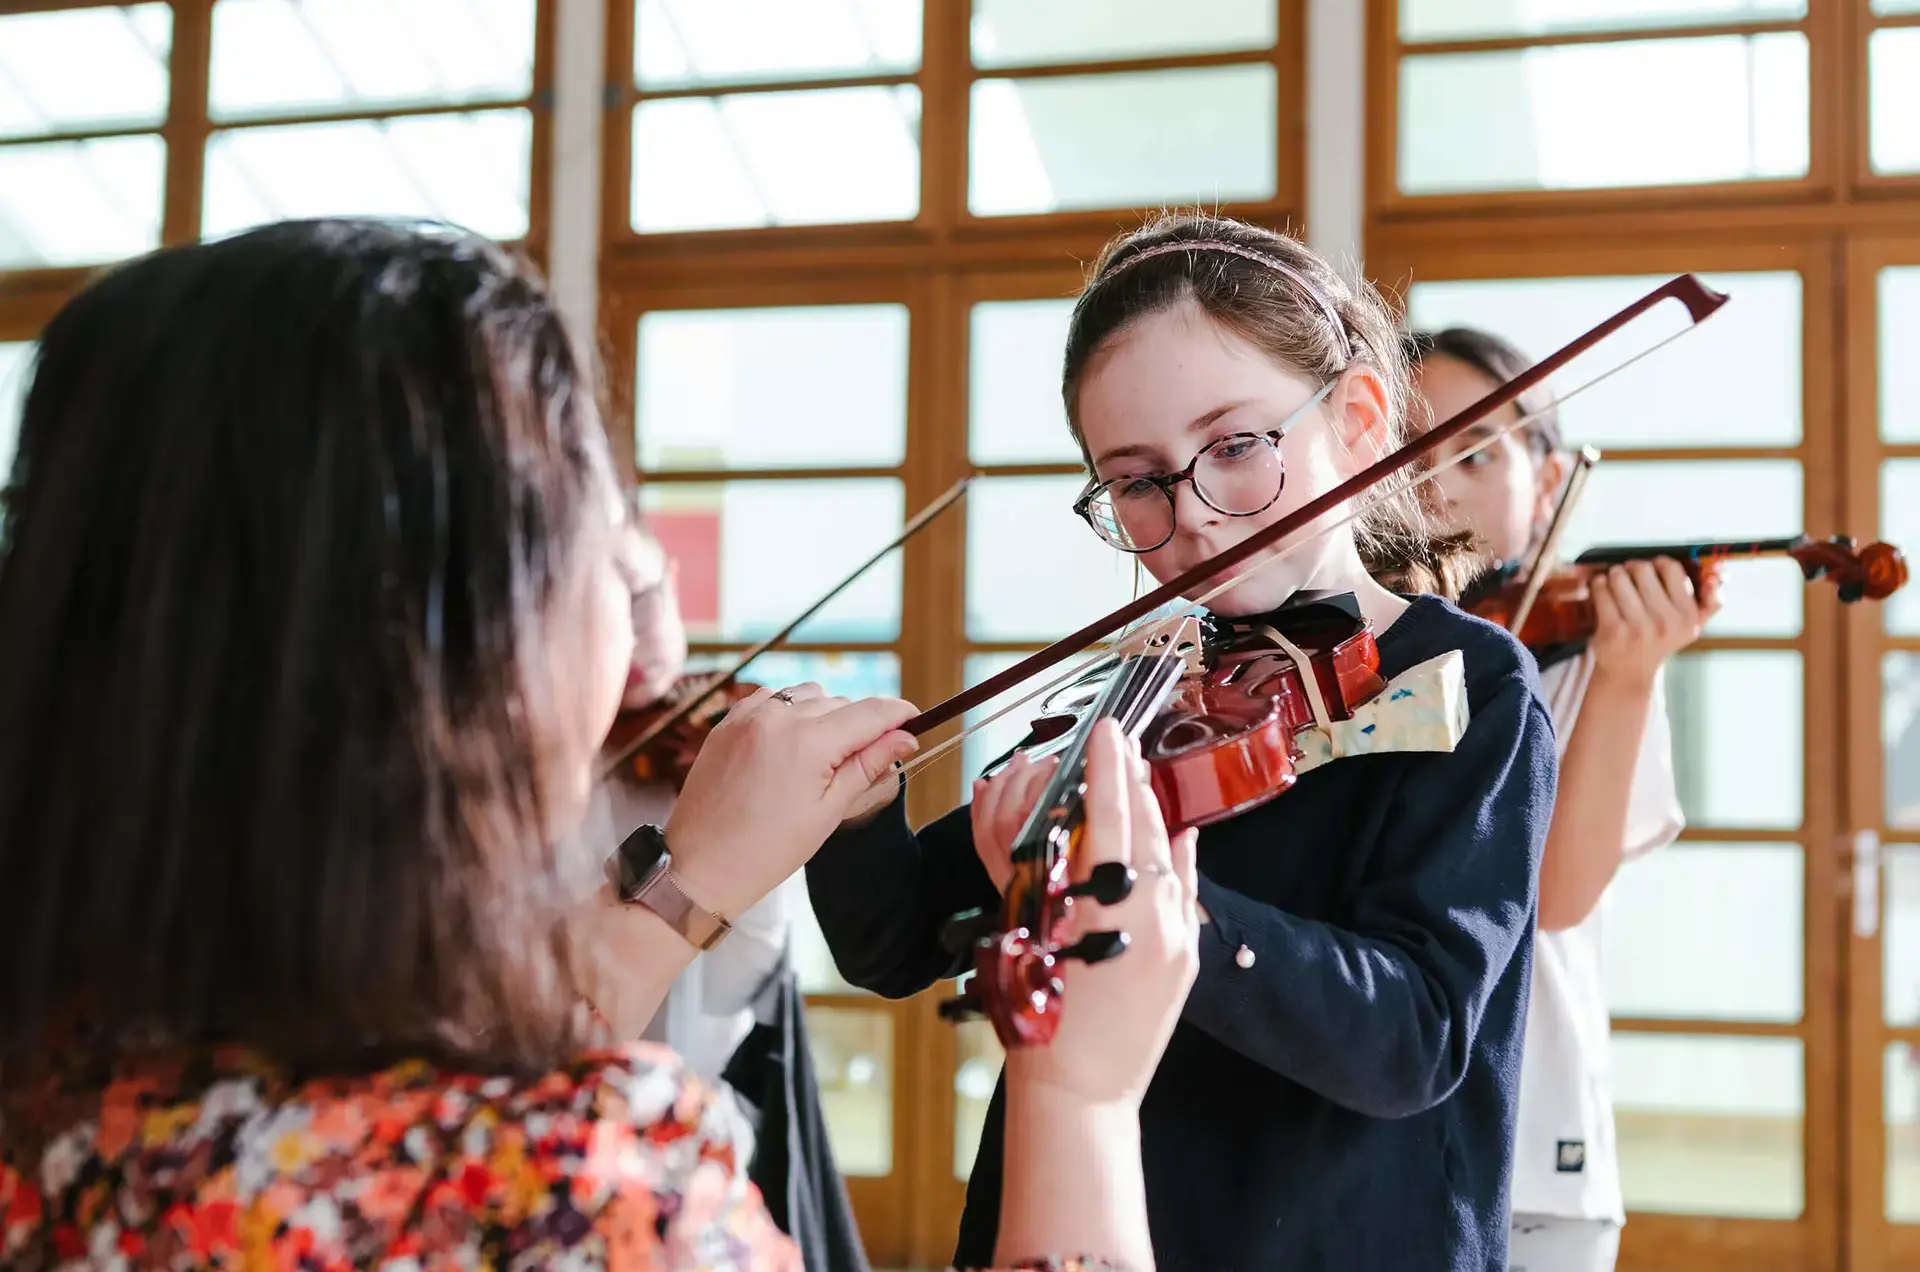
[(1379, 1015), (882, 894)]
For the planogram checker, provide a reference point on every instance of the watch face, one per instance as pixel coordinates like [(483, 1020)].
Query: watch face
[(640, 855)]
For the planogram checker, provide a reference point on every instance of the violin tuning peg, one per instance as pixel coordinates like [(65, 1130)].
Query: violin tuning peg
[(955, 1010), (964, 930), (1096, 947), (1109, 883)]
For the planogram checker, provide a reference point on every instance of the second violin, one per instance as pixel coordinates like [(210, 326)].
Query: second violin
[(1561, 612)]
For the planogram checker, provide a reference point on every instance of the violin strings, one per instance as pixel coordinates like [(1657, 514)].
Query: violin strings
[(1152, 626)]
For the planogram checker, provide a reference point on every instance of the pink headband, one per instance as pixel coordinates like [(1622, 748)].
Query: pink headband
[(1273, 263)]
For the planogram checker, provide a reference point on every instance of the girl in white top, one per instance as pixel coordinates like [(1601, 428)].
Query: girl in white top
[(1616, 800), (710, 1009)]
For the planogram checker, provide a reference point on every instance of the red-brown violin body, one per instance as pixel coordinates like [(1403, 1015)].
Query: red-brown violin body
[(668, 756), (1562, 612), (1225, 741)]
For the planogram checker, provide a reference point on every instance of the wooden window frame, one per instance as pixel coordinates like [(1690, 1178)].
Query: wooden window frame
[(30, 297), (1829, 55)]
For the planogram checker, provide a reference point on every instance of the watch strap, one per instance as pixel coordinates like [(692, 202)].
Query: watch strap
[(642, 872)]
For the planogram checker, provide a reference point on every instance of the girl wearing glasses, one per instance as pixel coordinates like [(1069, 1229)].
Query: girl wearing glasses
[(1340, 1091)]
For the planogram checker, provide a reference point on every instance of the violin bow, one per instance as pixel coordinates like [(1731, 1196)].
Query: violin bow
[(720, 680), (1544, 560), (1700, 302)]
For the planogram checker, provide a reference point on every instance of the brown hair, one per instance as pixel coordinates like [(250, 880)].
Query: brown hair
[(1499, 360), (1277, 294), (289, 513)]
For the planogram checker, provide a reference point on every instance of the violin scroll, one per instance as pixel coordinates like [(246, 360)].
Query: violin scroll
[(1872, 573)]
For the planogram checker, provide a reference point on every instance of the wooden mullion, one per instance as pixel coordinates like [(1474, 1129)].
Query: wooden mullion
[(753, 88), (718, 476), (1628, 35), (187, 129), (1889, 21), (80, 134), (1693, 1026), (1129, 65), (1737, 837), (383, 114), (698, 648), (539, 237)]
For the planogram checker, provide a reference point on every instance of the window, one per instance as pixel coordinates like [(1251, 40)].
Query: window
[(841, 241), (1567, 95), (1543, 164), (125, 127)]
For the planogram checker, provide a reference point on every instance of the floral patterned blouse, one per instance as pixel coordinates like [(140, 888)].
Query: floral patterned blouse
[(616, 1162)]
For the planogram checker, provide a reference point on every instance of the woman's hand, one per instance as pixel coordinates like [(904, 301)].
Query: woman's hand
[(772, 782), (1644, 612), (1001, 804), (1116, 1016)]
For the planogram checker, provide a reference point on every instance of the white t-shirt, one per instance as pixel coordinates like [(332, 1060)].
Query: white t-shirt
[(1565, 1160)]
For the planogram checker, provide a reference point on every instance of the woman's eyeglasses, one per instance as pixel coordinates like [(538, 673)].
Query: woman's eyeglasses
[(1237, 475)]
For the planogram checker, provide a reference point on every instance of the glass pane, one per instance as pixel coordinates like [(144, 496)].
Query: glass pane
[(1899, 289), (1723, 108), (1900, 931), (288, 57), (1022, 33), (973, 1082), (80, 202), (16, 365), (1122, 141), (1737, 740), (1893, 79), (1694, 500), (1474, 19), (1900, 737), (846, 675), (742, 579), (1034, 570), (771, 388), (996, 739), (1710, 1126), (1707, 932), (84, 70), (1900, 525), (1896, 6), (853, 1059), (758, 159), (471, 170), (1901, 1104), (1014, 415), (690, 43), (1733, 382)]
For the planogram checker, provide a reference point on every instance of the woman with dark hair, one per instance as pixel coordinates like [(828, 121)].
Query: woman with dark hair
[(1616, 798), (313, 615)]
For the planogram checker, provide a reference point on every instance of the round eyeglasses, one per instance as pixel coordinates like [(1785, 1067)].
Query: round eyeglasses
[(1238, 475)]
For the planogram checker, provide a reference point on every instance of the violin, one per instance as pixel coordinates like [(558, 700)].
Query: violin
[(1226, 740), (1561, 613), (674, 727), (660, 741), (1018, 951), (1017, 963)]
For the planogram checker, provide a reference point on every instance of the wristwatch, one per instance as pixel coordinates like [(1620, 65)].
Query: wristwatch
[(640, 870)]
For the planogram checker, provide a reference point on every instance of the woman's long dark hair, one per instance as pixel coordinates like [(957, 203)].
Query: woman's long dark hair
[(287, 513)]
